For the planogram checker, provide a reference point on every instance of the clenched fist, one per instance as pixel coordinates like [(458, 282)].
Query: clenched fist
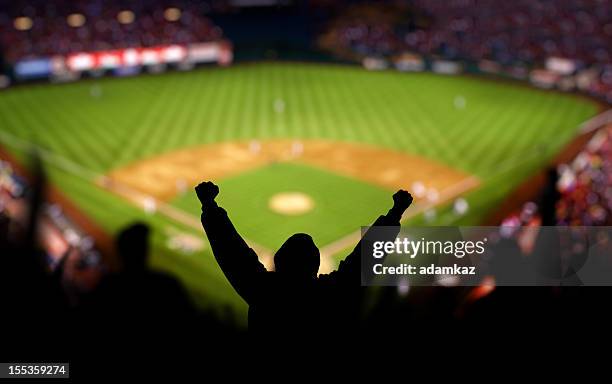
[(207, 191), (402, 200)]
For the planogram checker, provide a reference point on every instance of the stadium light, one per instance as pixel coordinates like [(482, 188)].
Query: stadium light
[(125, 17), (76, 20), (22, 23), (172, 14)]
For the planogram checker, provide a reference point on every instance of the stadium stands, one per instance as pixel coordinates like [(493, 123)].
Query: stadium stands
[(520, 31), (366, 30), (523, 31), (586, 185), (511, 34), (63, 27), (58, 236)]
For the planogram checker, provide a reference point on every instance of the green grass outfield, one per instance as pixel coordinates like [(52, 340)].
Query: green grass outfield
[(502, 135)]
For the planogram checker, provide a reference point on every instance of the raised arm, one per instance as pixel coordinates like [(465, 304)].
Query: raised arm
[(349, 270), (237, 260)]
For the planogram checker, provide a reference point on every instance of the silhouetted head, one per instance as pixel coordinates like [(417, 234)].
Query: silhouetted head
[(133, 247), (298, 256), (552, 177)]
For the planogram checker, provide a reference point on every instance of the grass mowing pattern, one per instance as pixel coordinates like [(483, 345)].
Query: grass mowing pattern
[(503, 134)]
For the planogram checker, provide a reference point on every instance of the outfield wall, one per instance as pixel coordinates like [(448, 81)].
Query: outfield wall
[(122, 62)]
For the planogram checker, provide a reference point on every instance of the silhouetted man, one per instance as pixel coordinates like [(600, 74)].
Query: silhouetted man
[(291, 300), (143, 299), (549, 198)]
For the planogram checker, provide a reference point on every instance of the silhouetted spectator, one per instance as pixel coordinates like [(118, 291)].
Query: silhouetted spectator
[(32, 299), (137, 301), (550, 197), (292, 300)]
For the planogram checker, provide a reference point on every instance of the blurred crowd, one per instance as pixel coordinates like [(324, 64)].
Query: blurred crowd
[(505, 32), (522, 30), (578, 193), (64, 245), (58, 233), (514, 34), (586, 185), (368, 30), (34, 29)]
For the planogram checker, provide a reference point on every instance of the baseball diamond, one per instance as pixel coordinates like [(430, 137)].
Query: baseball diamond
[(332, 141)]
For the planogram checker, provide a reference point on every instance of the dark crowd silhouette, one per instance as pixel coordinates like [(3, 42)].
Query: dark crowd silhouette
[(135, 311), (132, 312)]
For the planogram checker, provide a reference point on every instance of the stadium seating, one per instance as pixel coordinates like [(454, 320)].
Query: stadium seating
[(586, 185), (63, 27), (517, 33), (525, 31), (58, 234)]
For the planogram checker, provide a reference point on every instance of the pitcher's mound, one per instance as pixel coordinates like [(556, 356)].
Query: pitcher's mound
[(291, 203)]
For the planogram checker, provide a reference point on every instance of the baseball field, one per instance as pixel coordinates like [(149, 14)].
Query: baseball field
[(294, 147)]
